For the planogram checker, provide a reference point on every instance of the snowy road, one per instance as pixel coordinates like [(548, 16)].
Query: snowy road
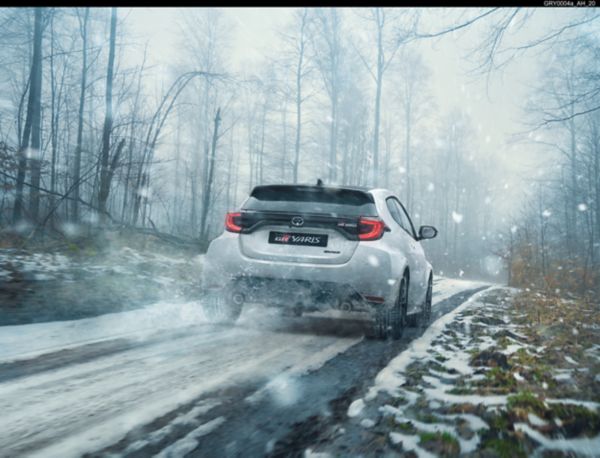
[(160, 381)]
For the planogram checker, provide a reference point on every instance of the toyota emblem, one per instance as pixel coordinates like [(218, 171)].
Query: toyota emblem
[(297, 221)]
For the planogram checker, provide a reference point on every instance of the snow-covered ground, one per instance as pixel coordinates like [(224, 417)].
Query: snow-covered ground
[(93, 404), (26, 341), (159, 359), (58, 266), (478, 379), (46, 286)]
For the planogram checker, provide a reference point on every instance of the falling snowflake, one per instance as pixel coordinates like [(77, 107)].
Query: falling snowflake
[(514, 229), (457, 217), (430, 187), (582, 207), (373, 260), (546, 213), (144, 192), (32, 153), (92, 218), (402, 170), (70, 229)]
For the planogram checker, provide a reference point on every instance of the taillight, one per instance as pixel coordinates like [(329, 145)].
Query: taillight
[(233, 222), (370, 228)]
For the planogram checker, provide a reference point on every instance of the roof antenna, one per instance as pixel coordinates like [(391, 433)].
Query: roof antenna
[(319, 182)]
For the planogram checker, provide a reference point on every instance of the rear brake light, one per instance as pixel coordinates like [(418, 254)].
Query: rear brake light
[(233, 222), (370, 229)]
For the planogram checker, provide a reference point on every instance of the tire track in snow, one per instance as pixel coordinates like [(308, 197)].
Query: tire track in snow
[(284, 418), (92, 399), (96, 403)]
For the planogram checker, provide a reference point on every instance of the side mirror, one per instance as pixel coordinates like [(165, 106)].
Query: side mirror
[(427, 232)]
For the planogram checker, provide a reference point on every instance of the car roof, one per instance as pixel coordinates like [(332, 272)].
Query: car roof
[(309, 186)]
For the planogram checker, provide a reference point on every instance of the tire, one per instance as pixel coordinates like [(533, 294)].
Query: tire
[(380, 325), (291, 311), (425, 316), (393, 320), (224, 310), (398, 318)]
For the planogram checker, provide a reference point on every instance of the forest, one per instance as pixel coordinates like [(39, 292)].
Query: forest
[(96, 136)]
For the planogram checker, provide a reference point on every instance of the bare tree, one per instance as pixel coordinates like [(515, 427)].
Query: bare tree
[(30, 142), (388, 39), (300, 41), (84, 70), (206, 195), (412, 76), (329, 55), (105, 171)]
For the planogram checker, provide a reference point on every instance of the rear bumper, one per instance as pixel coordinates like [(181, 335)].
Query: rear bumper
[(293, 293), (370, 272)]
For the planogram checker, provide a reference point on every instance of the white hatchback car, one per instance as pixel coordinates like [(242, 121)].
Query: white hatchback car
[(306, 248)]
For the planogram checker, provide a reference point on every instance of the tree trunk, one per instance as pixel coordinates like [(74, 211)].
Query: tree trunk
[(284, 141), (32, 120), (54, 116), (379, 84), (407, 140), (77, 159), (332, 166), (299, 69), (262, 146), (36, 118), (208, 185), (105, 175), (54, 112)]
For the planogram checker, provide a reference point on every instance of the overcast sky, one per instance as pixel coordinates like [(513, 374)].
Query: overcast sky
[(495, 106)]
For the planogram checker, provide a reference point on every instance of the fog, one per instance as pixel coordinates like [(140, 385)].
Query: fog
[(206, 248), (469, 134)]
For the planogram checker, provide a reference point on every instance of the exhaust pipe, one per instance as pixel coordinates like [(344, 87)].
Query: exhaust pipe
[(237, 298), (345, 306)]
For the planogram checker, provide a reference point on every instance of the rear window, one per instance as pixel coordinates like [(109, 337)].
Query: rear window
[(311, 199)]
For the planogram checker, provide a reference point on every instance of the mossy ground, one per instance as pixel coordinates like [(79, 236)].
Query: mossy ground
[(516, 347)]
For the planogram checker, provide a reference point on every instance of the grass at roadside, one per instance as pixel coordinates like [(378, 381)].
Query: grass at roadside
[(516, 373)]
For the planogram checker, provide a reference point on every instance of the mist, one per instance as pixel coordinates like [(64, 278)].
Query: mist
[(287, 231), (465, 104)]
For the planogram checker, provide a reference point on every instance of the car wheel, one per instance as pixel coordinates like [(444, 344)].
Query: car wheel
[(295, 311), (425, 317), (398, 318), (393, 320), (380, 324), (224, 308)]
